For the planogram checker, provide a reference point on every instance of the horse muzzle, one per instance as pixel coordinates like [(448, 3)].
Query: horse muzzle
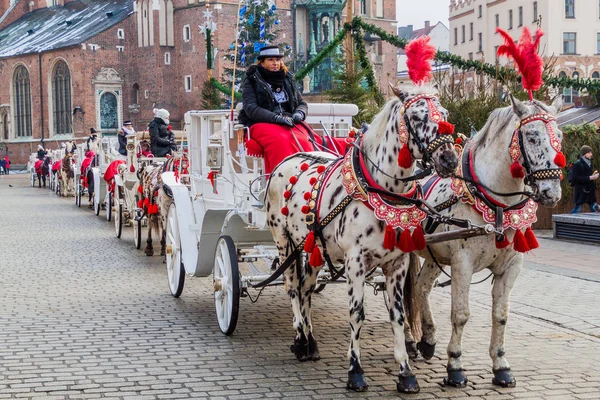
[(445, 160)]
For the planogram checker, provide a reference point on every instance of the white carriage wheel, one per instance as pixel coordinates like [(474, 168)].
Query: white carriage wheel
[(96, 200), (78, 195), (175, 268), (137, 233), (108, 204), (118, 214), (226, 284)]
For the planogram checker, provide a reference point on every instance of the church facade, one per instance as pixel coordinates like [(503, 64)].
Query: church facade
[(69, 65)]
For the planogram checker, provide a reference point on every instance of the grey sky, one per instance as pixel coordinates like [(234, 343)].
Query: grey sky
[(416, 12)]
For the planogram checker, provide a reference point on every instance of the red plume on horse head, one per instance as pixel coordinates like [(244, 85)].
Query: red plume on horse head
[(529, 62), (419, 53)]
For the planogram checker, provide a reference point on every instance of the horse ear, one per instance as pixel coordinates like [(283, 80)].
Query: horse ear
[(557, 103), (401, 94), (519, 108)]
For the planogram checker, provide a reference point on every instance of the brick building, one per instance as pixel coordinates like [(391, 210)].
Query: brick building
[(66, 65)]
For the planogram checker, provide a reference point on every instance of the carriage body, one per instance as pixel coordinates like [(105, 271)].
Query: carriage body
[(106, 153), (217, 219)]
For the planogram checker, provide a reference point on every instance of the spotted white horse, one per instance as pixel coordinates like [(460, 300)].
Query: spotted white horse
[(328, 205), (500, 163)]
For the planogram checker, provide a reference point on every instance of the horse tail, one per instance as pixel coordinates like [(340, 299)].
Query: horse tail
[(411, 303)]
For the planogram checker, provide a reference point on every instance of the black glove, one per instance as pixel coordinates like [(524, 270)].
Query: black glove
[(298, 117), (283, 120)]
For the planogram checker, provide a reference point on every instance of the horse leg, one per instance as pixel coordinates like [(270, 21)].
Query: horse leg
[(503, 285), (427, 277), (309, 282), (356, 294), (293, 284), (163, 238), (407, 382), (461, 281), (149, 250), (39, 178)]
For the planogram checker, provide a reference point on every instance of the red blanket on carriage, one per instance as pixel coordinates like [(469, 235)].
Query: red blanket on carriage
[(56, 166), (111, 171), (276, 142), (38, 166)]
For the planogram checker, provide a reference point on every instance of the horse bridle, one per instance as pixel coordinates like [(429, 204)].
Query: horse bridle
[(435, 116), (517, 149)]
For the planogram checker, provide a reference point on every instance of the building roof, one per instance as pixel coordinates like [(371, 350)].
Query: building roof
[(57, 27), (580, 115), (417, 33)]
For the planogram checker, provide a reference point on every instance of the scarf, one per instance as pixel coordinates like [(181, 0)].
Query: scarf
[(588, 162), (273, 78), (127, 132)]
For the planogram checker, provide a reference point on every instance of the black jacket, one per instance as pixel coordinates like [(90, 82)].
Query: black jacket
[(260, 104), (162, 141), (41, 154), (585, 189), (122, 143)]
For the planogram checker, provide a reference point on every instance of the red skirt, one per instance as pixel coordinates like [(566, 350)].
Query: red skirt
[(275, 142)]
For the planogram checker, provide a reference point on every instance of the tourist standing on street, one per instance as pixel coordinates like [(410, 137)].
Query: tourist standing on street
[(6, 164), (584, 180), (162, 138)]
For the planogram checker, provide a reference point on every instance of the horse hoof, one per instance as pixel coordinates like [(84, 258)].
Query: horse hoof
[(504, 378), (411, 349), (356, 381), (313, 349), (300, 349), (408, 384), (149, 253), (427, 350), (456, 378)]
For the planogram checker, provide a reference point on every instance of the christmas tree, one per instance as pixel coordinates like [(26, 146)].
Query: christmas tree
[(257, 29)]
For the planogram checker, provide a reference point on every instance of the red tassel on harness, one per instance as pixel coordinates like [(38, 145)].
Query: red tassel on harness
[(211, 177), (140, 189), (418, 238), (309, 243), (520, 243), (458, 140), (305, 209), (312, 180), (502, 244), (516, 170), (303, 167), (531, 239), (146, 202), (306, 195), (404, 157), (406, 244), (445, 128), (132, 169), (560, 160), (285, 211), (316, 259), (389, 238), (320, 169), (293, 179)]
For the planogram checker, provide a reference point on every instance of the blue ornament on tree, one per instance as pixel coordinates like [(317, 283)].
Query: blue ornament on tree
[(251, 19), (276, 22), (231, 46), (270, 12), (273, 7)]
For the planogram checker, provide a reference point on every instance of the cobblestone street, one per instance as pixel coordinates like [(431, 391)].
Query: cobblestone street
[(85, 315)]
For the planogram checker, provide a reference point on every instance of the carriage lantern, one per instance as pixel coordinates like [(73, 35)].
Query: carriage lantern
[(214, 152)]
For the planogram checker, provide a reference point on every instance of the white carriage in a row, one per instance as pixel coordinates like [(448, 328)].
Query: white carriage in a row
[(217, 221)]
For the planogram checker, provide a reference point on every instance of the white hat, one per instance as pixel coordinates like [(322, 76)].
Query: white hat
[(40, 147), (162, 114)]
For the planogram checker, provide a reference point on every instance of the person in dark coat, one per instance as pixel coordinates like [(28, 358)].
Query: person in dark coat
[(274, 110), (126, 130), (92, 142), (41, 152), (162, 138), (585, 181)]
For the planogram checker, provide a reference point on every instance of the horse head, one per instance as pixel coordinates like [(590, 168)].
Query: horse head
[(535, 148), (427, 134)]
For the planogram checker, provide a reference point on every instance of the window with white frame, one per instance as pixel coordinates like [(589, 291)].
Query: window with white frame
[(510, 19), (455, 36), (569, 8), (187, 33), (167, 58), (463, 33), (569, 43), (521, 16), (120, 33), (121, 48), (187, 81), (497, 20), (595, 75), (480, 14), (535, 12), (598, 43), (471, 31)]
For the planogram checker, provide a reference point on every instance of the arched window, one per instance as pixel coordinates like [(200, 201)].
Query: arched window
[(22, 102), (109, 113), (135, 94), (596, 75), (61, 95)]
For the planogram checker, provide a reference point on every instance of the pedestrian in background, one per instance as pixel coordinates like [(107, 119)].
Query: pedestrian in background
[(584, 180), (6, 165), (2, 167)]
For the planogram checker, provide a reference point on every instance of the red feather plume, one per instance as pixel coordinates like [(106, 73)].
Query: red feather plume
[(419, 53), (528, 61)]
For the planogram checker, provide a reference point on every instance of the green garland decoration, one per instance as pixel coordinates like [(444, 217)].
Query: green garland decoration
[(361, 51), (318, 59), (224, 89)]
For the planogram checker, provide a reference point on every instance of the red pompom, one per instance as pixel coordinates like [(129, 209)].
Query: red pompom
[(560, 160), (140, 189), (132, 169), (303, 167), (316, 259), (502, 244), (418, 238), (140, 204), (146, 202), (406, 244), (287, 194), (285, 211), (389, 238), (305, 209), (516, 170), (306, 195), (312, 180), (404, 157), (320, 169), (458, 140), (531, 239), (445, 128), (293, 179), (309, 243), (351, 134), (170, 127), (520, 243)]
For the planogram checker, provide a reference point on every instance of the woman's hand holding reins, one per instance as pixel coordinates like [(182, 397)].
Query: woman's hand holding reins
[(283, 120)]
